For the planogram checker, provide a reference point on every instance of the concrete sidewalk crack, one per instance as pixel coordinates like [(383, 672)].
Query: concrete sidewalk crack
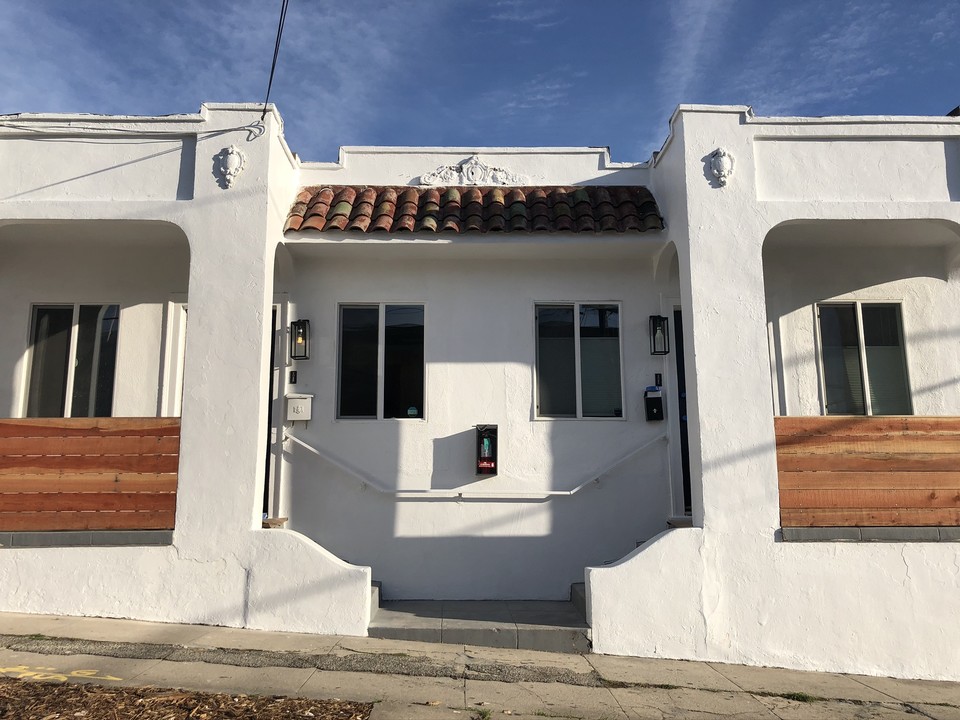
[(728, 679), (870, 687), (309, 678)]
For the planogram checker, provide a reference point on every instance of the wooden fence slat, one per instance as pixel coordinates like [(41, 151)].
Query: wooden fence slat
[(840, 499), (870, 517), (55, 481), (833, 425), (102, 502), (95, 463), (43, 521), (91, 445), (68, 427), (820, 445), (869, 462), (867, 480)]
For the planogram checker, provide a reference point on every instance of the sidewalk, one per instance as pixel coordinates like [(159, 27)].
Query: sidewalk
[(411, 680)]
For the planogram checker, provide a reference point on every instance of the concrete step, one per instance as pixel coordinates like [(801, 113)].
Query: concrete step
[(375, 598), (578, 596), (523, 624)]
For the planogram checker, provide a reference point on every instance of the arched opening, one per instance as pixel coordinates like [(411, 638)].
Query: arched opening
[(863, 333), (92, 339)]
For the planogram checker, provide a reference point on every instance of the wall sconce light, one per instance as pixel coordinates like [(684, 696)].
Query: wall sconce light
[(659, 335), (300, 340)]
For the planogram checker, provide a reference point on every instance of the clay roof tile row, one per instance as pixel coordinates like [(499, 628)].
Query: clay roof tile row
[(475, 209)]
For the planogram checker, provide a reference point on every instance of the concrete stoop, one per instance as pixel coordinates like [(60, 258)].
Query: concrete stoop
[(549, 626), (375, 598)]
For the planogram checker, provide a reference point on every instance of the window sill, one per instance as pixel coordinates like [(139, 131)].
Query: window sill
[(86, 538), (870, 534), (580, 419)]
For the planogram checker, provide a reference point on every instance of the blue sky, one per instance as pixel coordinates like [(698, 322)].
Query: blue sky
[(491, 72)]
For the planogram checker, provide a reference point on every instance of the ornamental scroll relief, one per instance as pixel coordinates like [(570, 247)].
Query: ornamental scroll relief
[(472, 171)]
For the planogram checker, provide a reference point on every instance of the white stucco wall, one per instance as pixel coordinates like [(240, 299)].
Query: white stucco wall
[(879, 608), (480, 355), (222, 568)]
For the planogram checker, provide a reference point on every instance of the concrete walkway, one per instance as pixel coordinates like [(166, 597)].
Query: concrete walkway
[(411, 680)]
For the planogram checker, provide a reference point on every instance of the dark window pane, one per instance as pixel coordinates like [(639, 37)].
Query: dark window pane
[(95, 361), (403, 361), (48, 368), (556, 362), (359, 335), (600, 361), (886, 364), (842, 376)]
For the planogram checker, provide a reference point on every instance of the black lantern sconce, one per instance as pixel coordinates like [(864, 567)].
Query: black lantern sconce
[(300, 340), (659, 335)]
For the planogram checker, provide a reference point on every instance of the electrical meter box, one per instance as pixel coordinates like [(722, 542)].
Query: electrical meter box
[(486, 449), (299, 407)]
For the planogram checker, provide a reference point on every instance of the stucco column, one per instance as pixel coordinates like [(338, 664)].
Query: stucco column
[(732, 442), (224, 418)]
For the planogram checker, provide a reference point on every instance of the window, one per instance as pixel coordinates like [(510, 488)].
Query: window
[(578, 361), (864, 367), (73, 360), (381, 362)]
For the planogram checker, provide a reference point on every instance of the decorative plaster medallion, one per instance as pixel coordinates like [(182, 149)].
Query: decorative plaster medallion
[(231, 164), (472, 171), (721, 165)]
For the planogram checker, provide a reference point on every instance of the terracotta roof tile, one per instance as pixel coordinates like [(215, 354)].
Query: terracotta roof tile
[(582, 209)]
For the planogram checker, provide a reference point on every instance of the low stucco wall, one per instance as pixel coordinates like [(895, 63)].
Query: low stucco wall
[(874, 608), (268, 580)]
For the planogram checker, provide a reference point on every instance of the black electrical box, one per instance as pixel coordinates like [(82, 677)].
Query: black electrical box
[(653, 403), (486, 449)]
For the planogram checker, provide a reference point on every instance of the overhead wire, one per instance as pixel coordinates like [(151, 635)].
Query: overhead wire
[(276, 53)]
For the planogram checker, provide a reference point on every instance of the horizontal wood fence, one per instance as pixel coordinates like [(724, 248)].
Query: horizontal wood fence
[(88, 473), (868, 471)]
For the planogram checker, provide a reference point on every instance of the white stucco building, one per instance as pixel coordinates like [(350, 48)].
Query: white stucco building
[(789, 285)]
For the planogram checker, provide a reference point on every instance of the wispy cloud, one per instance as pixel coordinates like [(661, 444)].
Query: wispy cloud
[(537, 14), (812, 58), (144, 58), (692, 35)]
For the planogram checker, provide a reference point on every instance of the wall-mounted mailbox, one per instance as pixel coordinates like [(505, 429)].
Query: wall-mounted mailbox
[(486, 449), (653, 403), (299, 407)]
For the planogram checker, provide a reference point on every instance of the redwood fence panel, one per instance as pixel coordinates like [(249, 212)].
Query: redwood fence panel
[(88, 473), (868, 472)]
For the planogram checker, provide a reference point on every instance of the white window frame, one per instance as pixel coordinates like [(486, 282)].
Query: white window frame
[(381, 351), (862, 350), (576, 344), (71, 357)]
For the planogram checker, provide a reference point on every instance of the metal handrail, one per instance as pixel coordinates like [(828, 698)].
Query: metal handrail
[(369, 480)]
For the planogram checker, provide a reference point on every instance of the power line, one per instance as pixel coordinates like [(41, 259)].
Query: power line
[(276, 52)]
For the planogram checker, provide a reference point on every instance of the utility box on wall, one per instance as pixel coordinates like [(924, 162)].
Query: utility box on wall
[(486, 449)]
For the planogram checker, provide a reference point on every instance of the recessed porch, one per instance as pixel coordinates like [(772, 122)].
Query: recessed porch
[(862, 345)]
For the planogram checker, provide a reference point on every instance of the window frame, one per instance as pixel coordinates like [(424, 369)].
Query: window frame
[(381, 352), (862, 353), (71, 357), (576, 304)]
